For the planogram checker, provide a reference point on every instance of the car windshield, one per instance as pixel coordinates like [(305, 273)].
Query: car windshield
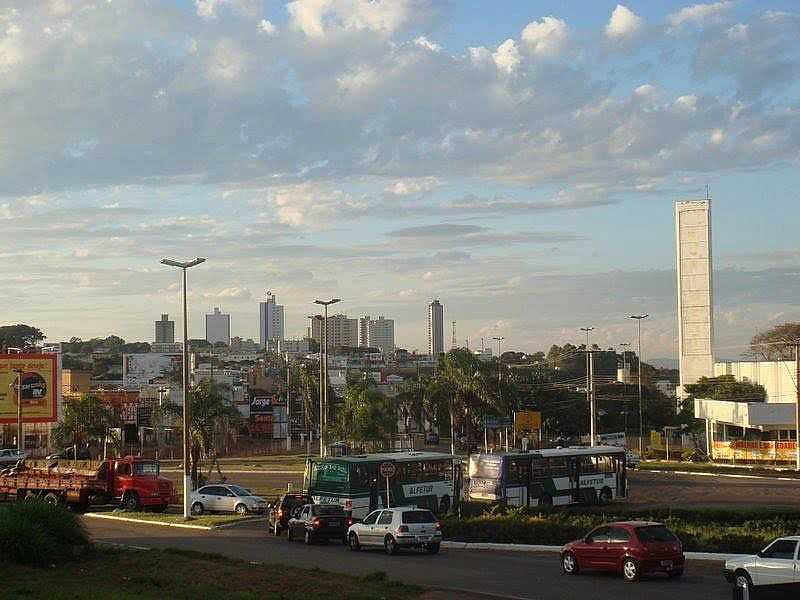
[(240, 491), (655, 533), (418, 516), (325, 510), (145, 468)]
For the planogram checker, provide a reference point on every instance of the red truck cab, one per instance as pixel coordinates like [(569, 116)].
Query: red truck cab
[(136, 483)]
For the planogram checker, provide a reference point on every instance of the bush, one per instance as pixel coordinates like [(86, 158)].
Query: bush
[(35, 533)]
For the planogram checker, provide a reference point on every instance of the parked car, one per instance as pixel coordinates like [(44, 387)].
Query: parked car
[(775, 567), (10, 456), (395, 528), (71, 453), (313, 522), (631, 548), (226, 497), (281, 511)]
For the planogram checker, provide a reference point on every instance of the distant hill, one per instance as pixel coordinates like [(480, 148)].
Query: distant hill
[(663, 363)]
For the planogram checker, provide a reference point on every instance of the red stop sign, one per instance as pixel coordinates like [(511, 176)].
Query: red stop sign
[(387, 470)]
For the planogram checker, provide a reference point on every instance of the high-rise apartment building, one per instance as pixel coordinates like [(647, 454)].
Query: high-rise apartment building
[(165, 331), (435, 328), (376, 333), (695, 297), (218, 327), (270, 320), (342, 331)]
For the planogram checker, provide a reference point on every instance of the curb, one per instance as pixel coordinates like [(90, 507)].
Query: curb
[(728, 475), (555, 549), (161, 523)]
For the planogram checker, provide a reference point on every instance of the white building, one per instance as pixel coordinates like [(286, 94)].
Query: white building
[(341, 331), (151, 368), (295, 347), (270, 320), (376, 333), (218, 327), (695, 297), (435, 328)]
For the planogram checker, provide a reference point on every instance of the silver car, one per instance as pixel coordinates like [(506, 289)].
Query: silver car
[(226, 497), (395, 528), (10, 456)]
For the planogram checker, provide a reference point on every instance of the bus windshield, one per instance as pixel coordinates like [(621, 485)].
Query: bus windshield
[(329, 477), (485, 467)]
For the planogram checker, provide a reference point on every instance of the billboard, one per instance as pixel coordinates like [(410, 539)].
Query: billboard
[(527, 420), (39, 387), (149, 367), (262, 404)]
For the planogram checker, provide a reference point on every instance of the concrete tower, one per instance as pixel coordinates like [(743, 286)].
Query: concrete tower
[(695, 297), (435, 328)]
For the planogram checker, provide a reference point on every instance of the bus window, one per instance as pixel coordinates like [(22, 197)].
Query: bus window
[(413, 472), (517, 471), (586, 465), (484, 468), (603, 464), (359, 478), (558, 467), (538, 468)]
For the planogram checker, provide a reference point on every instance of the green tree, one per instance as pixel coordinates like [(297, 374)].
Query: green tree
[(86, 421), (725, 387), (210, 414), (772, 343), (365, 416), (19, 336)]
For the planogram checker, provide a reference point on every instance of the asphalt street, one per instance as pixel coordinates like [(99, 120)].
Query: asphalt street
[(501, 574)]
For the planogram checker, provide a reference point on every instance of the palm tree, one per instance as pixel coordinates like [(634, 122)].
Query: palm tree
[(209, 413), (461, 383)]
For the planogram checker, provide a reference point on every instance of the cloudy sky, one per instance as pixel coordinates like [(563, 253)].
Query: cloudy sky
[(517, 159)]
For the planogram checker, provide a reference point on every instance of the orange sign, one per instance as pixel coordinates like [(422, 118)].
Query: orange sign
[(38, 374)]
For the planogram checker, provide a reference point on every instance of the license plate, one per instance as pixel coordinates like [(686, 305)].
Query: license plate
[(333, 523), (424, 538), (666, 563)]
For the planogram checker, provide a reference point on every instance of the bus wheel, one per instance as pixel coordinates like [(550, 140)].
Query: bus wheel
[(546, 500), (444, 505), (605, 496), (52, 498)]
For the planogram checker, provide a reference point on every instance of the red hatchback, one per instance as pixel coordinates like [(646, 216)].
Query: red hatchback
[(632, 548)]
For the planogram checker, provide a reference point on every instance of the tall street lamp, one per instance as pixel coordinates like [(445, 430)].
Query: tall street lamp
[(639, 319), (589, 386), (187, 410), (323, 427), (321, 380)]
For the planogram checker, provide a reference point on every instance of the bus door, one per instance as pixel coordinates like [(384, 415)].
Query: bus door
[(536, 475), (573, 465), (620, 476), (515, 480)]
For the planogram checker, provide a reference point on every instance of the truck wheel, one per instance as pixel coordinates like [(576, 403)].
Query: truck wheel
[(52, 498), (30, 496), (130, 501), (197, 509)]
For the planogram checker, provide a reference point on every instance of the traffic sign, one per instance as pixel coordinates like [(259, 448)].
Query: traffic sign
[(527, 420), (387, 470)]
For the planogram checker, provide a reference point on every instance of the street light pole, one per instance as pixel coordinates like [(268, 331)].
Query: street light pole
[(639, 319), (589, 386), (324, 413), (499, 340), (187, 409)]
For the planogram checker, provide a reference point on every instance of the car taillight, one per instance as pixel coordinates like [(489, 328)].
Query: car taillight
[(438, 526), (280, 513), (349, 521), (402, 529), (316, 523)]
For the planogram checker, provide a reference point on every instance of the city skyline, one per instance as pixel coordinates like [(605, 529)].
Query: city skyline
[(523, 166)]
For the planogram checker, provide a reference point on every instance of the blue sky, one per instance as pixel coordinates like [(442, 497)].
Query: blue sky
[(518, 160)]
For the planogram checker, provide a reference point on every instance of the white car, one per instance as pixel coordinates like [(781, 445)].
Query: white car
[(632, 460), (226, 497), (10, 456), (395, 528), (775, 567)]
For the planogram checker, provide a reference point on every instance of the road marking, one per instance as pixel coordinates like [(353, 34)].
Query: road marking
[(160, 523)]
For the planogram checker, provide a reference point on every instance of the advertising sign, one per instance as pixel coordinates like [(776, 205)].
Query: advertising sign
[(497, 422), (527, 420), (39, 387), (261, 424), (261, 404), (150, 367)]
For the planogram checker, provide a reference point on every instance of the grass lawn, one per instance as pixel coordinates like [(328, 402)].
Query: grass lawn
[(269, 462), (157, 574), (174, 517), (761, 470)]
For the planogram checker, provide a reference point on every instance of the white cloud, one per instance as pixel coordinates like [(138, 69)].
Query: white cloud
[(407, 187), (209, 9), (546, 37), (698, 13), (423, 42), (267, 27), (315, 18), (624, 23), (739, 32), (506, 57)]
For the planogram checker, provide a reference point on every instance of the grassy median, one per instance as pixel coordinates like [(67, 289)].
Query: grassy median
[(123, 574), (206, 520)]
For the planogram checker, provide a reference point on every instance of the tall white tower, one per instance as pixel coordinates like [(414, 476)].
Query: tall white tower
[(270, 320), (695, 292), (435, 328)]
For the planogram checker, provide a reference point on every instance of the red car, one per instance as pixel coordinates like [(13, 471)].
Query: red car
[(632, 548)]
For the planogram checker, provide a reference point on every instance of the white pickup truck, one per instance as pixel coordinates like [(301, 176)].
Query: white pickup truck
[(775, 567)]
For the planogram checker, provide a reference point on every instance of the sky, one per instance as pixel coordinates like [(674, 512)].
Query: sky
[(518, 160)]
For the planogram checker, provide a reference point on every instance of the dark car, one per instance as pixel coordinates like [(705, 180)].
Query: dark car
[(281, 511), (314, 522), (71, 453), (631, 548)]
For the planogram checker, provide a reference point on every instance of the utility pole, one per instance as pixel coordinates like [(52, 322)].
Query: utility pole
[(499, 339), (288, 405), (324, 408), (589, 400), (639, 319)]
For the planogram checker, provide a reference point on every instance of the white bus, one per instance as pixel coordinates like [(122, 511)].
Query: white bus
[(425, 479), (550, 477)]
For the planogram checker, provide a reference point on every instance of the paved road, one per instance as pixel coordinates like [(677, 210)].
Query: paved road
[(506, 575)]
